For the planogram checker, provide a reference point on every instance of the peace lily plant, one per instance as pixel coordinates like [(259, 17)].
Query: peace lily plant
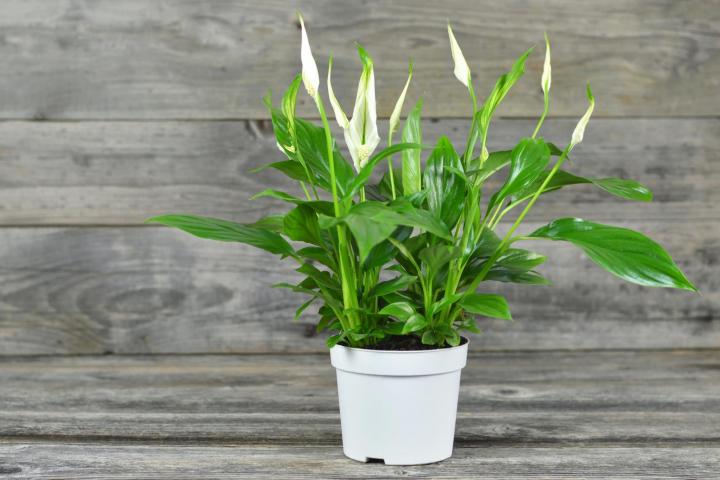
[(405, 258)]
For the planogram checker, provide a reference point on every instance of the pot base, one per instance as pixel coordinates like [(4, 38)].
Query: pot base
[(393, 460)]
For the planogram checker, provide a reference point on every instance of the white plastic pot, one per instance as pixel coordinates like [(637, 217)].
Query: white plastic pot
[(398, 406)]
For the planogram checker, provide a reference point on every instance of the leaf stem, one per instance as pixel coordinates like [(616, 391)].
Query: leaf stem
[(347, 268)]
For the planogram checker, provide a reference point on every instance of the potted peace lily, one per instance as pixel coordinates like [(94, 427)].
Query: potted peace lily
[(397, 266)]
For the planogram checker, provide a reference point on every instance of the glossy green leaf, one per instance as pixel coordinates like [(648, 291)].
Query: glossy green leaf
[(494, 162), (445, 188), (529, 277), (290, 168), (414, 323), (302, 308), (623, 188), (226, 231), (628, 254), (400, 310), (411, 169), (372, 222), (518, 259), (385, 251), (274, 223), (301, 224), (319, 255), (527, 162), (502, 87), (364, 174), (486, 304), (437, 256), (431, 337), (323, 279), (389, 286)]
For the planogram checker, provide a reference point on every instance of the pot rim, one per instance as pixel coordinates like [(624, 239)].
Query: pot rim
[(428, 350)]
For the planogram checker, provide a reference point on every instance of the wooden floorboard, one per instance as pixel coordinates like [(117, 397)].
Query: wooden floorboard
[(156, 290), (186, 59), (41, 460), (588, 414), (120, 173)]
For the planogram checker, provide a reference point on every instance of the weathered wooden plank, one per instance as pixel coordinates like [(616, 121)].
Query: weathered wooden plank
[(122, 172), (506, 398), (184, 59), (35, 460), (140, 290)]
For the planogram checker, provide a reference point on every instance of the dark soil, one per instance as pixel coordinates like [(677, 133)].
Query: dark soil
[(405, 343)]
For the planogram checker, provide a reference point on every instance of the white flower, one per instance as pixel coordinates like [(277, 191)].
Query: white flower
[(340, 116), (395, 116), (462, 70), (547, 70), (361, 134), (577, 135), (310, 75)]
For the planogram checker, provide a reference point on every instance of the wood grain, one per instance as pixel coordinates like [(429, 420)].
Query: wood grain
[(506, 398), (621, 414), (38, 460), (154, 290), (119, 173), (184, 59)]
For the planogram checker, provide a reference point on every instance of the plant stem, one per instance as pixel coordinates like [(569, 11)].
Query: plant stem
[(347, 267), (390, 166), (542, 117)]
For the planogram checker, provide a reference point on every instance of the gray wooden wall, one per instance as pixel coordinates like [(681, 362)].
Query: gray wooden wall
[(113, 111)]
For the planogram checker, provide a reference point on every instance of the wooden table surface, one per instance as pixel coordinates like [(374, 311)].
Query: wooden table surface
[(589, 414)]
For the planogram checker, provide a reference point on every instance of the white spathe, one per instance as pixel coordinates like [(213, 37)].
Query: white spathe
[(398, 406), (546, 79), (395, 116), (462, 70), (310, 74), (361, 133), (579, 131)]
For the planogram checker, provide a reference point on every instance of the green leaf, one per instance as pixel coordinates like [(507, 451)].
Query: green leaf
[(502, 87), (290, 168), (372, 222), (273, 223), (414, 323), (486, 304), (312, 150), (628, 189), (321, 278), (364, 174), (385, 251), (528, 161), (302, 308), (494, 162), (400, 310), (431, 338), (226, 231), (517, 259), (513, 276), (319, 255), (390, 286), (334, 340), (625, 253), (443, 303), (301, 224), (437, 256), (411, 170), (445, 188)]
